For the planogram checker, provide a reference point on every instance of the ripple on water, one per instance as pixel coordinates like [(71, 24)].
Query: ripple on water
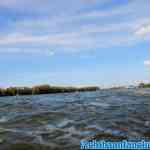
[(3, 119), (63, 120), (100, 104)]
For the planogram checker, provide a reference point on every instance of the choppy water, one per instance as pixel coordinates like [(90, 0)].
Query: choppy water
[(60, 121)]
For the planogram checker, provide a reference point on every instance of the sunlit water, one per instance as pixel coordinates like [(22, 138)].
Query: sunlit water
[(60, 121)]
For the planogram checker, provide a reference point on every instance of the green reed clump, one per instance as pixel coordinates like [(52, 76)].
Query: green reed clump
[(24, 91), (46, 89), (11, 91), (88, 89), (41, 89), (2, 92)]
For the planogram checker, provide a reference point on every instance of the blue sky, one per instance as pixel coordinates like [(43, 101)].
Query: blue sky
[(74, 42)]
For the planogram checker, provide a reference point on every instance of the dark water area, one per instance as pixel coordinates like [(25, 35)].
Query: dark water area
[(60, 121)]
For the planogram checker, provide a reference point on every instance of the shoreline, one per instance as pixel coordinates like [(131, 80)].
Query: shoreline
[(43, 89)]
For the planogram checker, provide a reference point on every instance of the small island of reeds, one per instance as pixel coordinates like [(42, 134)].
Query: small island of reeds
[(43, 89)]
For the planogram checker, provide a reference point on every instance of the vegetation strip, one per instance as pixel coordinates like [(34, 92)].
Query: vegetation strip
[(43, 89)]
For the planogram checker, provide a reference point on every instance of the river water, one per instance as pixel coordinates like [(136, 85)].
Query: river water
[(60, 121)]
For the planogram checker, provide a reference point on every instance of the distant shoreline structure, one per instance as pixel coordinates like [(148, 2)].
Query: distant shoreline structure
[(43, 89)]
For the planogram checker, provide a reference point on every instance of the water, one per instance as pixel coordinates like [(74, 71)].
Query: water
[(60, 121)]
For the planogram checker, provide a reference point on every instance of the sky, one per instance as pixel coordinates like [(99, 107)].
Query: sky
[(74, 42)]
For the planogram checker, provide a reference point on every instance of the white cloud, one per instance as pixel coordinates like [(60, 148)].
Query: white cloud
[(27, 51), (147, 62), (77, 31), (85, 37), (143, 30)]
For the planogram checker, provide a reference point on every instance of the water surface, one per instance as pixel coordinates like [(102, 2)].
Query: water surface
[(60, 121)]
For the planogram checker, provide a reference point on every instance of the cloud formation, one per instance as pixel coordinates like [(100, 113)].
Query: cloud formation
[(74, 25), (147, 62), (143, 30)]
